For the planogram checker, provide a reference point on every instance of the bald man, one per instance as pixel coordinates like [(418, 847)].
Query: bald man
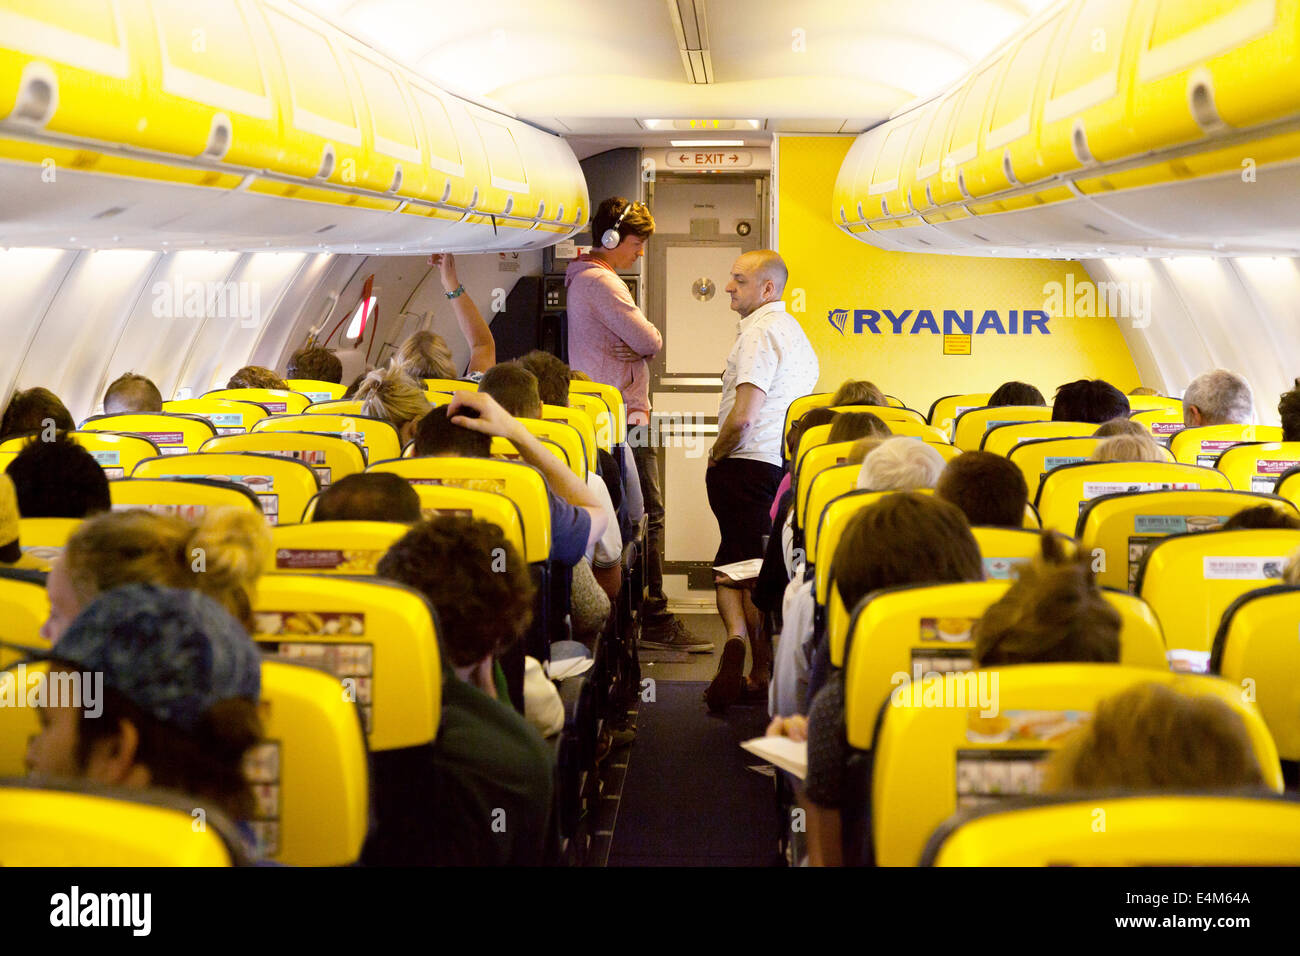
[(771, 364)]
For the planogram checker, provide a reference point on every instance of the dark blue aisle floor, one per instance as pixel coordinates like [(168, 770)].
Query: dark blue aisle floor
[(688, 798)]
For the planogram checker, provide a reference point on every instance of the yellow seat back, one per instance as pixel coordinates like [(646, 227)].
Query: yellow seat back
[(24, 607), (6, 459), (810, 439), (90, 826), (828, 485), (1288, 486), (599, 415), (1066, 490), (971, 424), (173, 433), (927, 433), (376, 438), (1140, 830), (490, 506), (1003, 439), (1204, 445), (316, 391), (44, 538), (949, 452), (956, 741), (1004, 549), (309, 774), (519, 482), (943, 413), (1255, 648), (916, 631), (1161, 423), (340, 406), (895, 402), (1040, 456), (448, 385), (277, 401), (1258, 467), (504, 448), (886, 413), (1146, 403), (282, 485), (1120, 529), (798, 408), (817, 460), (613, 400), (374, 634), (330, 458), (581, 422), (116, 454), (332, 547), (228, 417), (1190, 579), (188, 498), (567, 438)]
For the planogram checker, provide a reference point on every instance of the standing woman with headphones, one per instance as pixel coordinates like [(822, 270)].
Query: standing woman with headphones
[(611, 340)]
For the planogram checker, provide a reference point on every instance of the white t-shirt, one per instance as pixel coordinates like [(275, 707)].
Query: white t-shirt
[(772, 353), (608, 549)]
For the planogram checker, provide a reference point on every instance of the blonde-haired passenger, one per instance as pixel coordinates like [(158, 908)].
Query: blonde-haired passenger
[(222, 556), (427, 354), (390, 394), (858, 392), (900, 464), (1128, 448)]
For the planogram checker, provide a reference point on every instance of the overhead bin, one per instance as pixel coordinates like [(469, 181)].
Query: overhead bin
[(1106, 127), (257, 124)]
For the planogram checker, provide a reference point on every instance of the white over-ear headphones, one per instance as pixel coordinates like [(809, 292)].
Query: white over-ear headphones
[(611, 238)]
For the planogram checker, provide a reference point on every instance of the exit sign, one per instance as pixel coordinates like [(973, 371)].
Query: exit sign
[(715, 158)]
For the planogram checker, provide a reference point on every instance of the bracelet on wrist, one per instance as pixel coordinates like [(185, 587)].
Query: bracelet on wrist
[(458, 291)]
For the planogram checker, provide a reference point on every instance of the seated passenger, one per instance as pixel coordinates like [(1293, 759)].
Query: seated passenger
[(255, 376), (11, 553), (850, 426), (127, 547), (1153, 737), (821, 415), (181, 682), (369, 496), (1054, 613), (35, 410), (1120, 426), (1016, 393), (988, 488), (861, 448), (316, 365), (487, 759), (394, 397), (854, 392), (351, 393), (1288, 408), (901, 539), (596, 578), (1219, 397), (1089, 400), (1128, 448), (130, 393), (465, 428), (1143, 390), (1261, 516), (900, 464), (58, 479)]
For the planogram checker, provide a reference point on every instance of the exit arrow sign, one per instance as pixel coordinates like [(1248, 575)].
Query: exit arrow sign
[(709, 159)]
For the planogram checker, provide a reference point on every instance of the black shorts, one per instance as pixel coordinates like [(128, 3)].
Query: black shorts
[(740, 493)]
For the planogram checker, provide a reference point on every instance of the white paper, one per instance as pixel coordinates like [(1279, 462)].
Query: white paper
[(790, 755), (741, 570)]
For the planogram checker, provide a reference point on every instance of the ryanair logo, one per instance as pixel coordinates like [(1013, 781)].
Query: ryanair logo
[(909, 322)]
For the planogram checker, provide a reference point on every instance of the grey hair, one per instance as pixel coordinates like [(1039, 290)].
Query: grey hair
[(900, 464), (1223, 397)]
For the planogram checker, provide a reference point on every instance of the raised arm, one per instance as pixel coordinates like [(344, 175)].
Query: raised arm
[(495, 420), (482, 347)]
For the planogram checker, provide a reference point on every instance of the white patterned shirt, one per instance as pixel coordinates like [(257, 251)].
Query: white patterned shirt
[(771, 353)]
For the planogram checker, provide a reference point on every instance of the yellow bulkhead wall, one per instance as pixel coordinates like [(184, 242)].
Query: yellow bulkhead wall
[(835, 271)]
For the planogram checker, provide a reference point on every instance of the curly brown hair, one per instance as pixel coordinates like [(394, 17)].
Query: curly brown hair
[(475, 579), (255, 376), (1054, 613), (858, 392)]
